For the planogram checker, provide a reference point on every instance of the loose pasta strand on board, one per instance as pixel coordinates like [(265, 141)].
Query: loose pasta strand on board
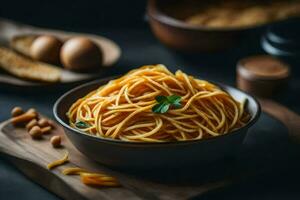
[(59, 162)]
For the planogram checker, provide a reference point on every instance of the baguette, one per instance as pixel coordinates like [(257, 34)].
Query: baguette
[(26, 68)]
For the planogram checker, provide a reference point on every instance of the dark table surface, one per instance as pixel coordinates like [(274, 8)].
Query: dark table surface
[(139, 47)]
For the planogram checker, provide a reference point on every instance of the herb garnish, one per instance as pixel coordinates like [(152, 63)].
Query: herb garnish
[(164, 103), (81, 124)]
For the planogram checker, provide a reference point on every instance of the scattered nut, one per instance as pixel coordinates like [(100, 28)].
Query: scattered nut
[(35, 127), (36, 132), (16, 111), (43, 122), (46, 130), (55, 141), (23, 118), (51, 123), (32, 110), (31, 124)]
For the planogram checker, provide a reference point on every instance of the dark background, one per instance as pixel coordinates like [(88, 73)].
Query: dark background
[(124, 22), (87, 15)]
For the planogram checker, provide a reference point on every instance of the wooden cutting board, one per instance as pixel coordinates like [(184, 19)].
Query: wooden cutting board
[(32, 156)]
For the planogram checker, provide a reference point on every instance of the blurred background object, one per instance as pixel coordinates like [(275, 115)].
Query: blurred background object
[(262, 75), (283, 41), (205, 26)]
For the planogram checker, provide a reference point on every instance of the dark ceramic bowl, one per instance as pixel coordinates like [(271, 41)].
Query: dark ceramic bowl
[(141, 155)]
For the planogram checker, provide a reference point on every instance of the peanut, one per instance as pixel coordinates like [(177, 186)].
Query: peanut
[(43, 122), (31, 124), (16, 111), (25, 117), (36, 132), (51, 123), (55, 141), (46, 130), (32, 110)]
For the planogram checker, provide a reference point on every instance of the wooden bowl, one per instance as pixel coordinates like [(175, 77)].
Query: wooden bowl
[(171, 30), (184, 37)]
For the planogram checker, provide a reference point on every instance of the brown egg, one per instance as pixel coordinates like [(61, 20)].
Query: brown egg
[(81, 54), (46, 48)]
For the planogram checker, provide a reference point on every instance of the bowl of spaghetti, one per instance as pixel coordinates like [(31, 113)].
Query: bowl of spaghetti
[(153, 118)]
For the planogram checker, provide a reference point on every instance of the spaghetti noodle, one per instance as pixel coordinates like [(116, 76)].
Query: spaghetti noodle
[(93, 179), (123, 108), (59, 162)]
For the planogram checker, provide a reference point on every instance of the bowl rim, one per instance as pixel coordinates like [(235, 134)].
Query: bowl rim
[(154, 12), (252, 121)]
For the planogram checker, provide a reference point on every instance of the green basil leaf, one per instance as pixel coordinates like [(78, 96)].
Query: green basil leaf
[(81, 125), (174, 98), (156, 108), (177, 105), (164, 103), (161, 108), (164, 108), (160, 99), (177, 101)]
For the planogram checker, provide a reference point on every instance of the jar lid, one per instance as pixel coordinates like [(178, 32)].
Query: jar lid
[(262, 67)]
